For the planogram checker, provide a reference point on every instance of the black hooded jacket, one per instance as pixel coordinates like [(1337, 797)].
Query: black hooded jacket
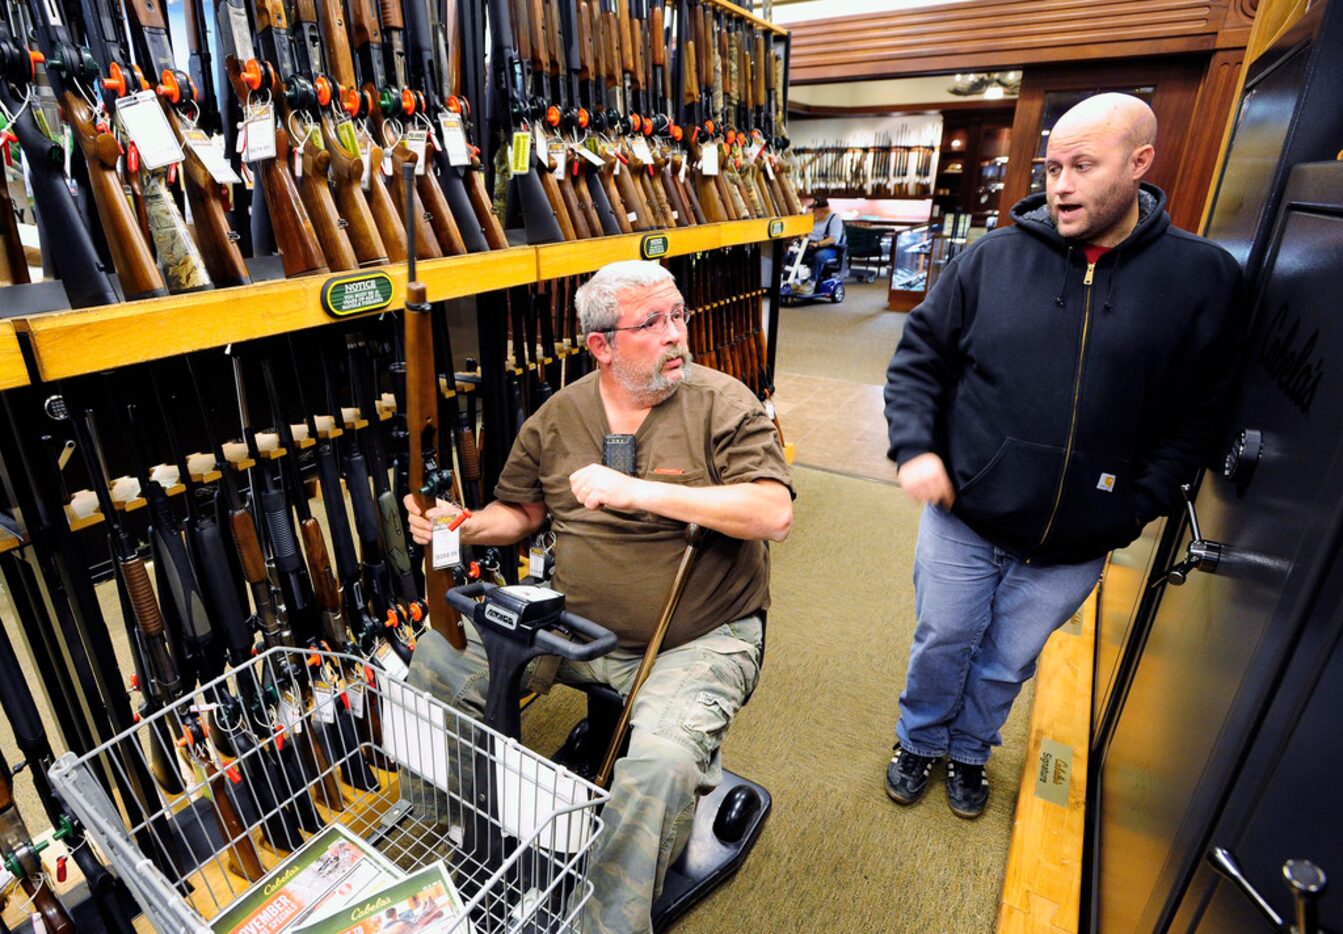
[(1068, 403)]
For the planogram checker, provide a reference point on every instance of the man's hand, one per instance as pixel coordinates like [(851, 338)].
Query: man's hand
[(925, 479), (597, 487), (422, 524)]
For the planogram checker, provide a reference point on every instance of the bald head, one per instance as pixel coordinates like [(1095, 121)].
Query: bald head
[(1096, 156), (1126, 117)]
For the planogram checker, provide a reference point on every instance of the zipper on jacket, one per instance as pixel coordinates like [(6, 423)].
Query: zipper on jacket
[(1077, 392)]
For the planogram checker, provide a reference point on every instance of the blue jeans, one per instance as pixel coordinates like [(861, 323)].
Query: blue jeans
[(983, 619), (822, 256)]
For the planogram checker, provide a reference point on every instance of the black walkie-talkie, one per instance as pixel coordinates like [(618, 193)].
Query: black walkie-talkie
[(620, 454)]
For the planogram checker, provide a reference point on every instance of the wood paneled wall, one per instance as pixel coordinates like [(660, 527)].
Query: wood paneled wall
[(1012, 33)]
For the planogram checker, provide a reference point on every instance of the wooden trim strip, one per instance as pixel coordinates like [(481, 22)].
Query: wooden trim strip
[(13, 372)]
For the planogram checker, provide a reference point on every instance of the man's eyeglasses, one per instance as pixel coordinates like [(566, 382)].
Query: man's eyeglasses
[(658, 321)]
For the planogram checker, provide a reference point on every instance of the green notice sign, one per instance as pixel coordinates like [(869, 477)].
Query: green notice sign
[(776, 228), (654, 246), (352, 295)]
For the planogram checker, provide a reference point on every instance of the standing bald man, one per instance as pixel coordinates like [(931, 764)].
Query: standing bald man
[(1045, 403)]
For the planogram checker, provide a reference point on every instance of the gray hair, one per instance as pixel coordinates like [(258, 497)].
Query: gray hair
[(598, 299)]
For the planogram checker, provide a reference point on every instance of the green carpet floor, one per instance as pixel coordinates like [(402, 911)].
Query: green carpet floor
[(836, 854)]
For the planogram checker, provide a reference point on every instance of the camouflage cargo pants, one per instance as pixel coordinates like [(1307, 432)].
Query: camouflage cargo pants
[(678, 724)]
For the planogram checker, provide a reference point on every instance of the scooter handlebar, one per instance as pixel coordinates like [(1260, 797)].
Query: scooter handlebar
[(600, 639)]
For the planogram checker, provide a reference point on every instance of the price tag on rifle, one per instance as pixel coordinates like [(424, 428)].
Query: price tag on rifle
[(447, 546), (753, 152), (520, 155), (391, 663), (354, 691), (141, 116), (454, 139), (324, 702), (540, 565), (291, 717), (769, 167), (639, 146), (559, 158), (210, 150), (708, 163), (685, 168), (587, 152), (418, 141), (258, 134), (364, 180)]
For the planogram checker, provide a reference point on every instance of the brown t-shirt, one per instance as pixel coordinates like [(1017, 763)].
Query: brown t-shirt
[(616, 568)]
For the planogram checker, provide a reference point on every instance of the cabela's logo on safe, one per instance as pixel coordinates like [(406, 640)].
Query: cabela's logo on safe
[(1294, 367)]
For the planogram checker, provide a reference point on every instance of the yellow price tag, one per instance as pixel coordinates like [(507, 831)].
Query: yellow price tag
[(520, 161)]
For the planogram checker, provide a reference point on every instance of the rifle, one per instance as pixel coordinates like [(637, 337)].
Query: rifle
[(337, 740), (511, 81), (67, 69), (293, 230), (183, 268), (332, 150), (157, 675), (350, 125), (205, 194), (263, 769), (21, 857), (427, 479), (29, 734)]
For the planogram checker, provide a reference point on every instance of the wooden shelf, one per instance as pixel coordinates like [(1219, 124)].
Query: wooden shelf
[(72, 343), (12, 371)]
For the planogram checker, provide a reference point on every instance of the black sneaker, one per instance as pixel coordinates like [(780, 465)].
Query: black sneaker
[(967, 789), (907, 775)]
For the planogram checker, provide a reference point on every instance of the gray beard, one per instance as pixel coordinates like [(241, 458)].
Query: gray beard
[(652, 388)]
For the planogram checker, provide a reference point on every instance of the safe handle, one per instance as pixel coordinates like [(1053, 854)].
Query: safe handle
[(1303, 879), (1200, 554)]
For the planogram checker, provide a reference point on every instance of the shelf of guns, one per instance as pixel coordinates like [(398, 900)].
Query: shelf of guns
[(888, 168), (605, 117), (239, 558), (221, 553)]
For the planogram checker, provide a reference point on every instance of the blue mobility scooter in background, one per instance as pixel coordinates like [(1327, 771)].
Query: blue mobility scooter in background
[(797, 287)]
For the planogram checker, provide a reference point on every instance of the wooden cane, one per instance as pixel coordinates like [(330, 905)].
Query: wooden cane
[(694, 537)]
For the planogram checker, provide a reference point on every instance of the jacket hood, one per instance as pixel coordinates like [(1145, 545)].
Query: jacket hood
[(1032, 213)]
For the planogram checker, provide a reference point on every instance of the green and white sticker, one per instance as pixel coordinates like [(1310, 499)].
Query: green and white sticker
[(352, 295), (654, 246), (776, 228)]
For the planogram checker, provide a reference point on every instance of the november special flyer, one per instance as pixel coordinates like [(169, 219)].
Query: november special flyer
[(334, 869), (423, 901)]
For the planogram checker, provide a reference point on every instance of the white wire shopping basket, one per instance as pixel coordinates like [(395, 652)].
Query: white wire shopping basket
[(196, 804)]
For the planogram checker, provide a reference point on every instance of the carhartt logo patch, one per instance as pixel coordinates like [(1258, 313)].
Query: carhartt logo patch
[(1107, 483)]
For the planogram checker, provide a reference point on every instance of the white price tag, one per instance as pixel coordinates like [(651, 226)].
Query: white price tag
[(520, 155), (559, 158), (685, 167), (639, 146), (210, 150), (324, 703), (355, 692), (391, 663), (708, 163), (536, 563), (387, 167), (259, 128), (754, 152), (447, 546), (364, 178), (539, 142), (454, 139), (291, 718), (587, 153), (769, 168), (142, 118), (418, 141)]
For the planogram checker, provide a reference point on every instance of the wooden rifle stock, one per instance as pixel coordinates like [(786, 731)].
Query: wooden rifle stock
[(426, 241), (440, 214), (300, 253), (606, 178), (321, 207), (139, 274), (243, 857), (346, 171), (13, 262), (385, 214), (214, 231), (336, 41)]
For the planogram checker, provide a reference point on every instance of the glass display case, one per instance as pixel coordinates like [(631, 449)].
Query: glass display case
[(911, 254)]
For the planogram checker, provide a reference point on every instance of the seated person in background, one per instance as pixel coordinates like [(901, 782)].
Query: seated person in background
[(708, 454), (827, 235)]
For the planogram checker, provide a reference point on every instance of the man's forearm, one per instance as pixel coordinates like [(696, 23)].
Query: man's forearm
[(749, 511), (502, 523)]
